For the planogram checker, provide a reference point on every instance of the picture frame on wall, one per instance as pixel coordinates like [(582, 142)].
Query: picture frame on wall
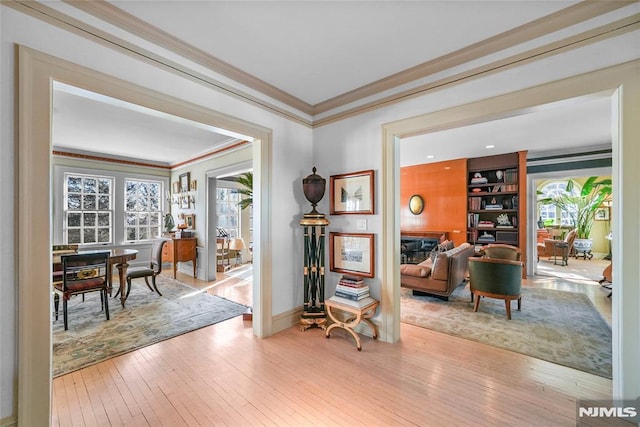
[(185, 202), (185, 182), (601, 214), (352, 253), (190, 221), (176, 187), (352, 193)]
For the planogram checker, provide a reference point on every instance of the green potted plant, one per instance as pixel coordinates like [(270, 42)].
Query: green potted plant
[(246, 180), (582, 207)]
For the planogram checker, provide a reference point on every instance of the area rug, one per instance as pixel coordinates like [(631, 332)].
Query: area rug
[(147, 319), (556, 326)]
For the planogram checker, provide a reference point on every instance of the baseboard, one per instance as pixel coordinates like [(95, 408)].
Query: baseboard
[(286, 320), (11, 421)]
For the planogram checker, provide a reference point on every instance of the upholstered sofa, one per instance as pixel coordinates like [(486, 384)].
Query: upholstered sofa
[(416, 245), (440, 276)]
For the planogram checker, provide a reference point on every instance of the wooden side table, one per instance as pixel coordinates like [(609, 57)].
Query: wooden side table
[(180, 250), (360, 311), (562, 249)]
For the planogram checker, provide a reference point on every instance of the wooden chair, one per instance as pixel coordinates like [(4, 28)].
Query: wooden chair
[(82, 273), (502, 251), (495, 278), (154, 269), (223, 254)]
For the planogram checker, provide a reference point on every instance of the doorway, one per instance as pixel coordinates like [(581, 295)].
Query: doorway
[(605, 81), (37, 72)]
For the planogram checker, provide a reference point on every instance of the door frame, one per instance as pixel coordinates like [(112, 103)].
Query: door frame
[(37, 72), (622, 84)]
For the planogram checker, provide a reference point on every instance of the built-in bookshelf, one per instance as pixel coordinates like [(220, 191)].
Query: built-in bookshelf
[(494, 200)]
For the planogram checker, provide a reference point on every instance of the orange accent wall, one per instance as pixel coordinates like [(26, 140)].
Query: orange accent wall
[(443, 186)]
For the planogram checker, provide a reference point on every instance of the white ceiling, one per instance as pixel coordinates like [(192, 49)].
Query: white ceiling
[(318, 50)]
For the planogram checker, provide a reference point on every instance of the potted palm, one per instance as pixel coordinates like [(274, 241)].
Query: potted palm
[(246, 180), (581, 207)]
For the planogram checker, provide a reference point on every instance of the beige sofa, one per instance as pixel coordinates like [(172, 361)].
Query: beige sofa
[(440, 277)]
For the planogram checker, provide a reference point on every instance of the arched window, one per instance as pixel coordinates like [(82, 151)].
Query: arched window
[(553, 212)]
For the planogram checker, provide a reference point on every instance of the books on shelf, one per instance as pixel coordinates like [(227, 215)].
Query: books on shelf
[(352, 289), (352, 293), (352, 281), (351, 297), (359, 304)]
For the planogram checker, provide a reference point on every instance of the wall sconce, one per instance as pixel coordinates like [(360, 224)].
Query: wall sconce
[(416, 204)]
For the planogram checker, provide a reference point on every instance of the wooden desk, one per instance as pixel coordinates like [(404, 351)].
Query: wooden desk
[(180, 250), (364, 312), (118, 257)]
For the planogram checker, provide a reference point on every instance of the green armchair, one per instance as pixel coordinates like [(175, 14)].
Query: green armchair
[(495, 278)]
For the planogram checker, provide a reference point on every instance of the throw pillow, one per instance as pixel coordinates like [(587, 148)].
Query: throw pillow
[(447, 245)]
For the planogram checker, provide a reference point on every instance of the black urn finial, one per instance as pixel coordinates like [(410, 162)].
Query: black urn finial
[(313, 187)]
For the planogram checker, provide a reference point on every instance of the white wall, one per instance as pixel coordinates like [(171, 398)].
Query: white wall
[(360, 139), (291, 159)]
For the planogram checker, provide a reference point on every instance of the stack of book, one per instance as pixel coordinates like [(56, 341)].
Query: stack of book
[(351, 290)]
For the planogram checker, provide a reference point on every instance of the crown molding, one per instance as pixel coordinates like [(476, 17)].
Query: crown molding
[(564, 18), (556, 21), (604, 32), (148, 164), (561, 19), (56, 18), (118, 17)]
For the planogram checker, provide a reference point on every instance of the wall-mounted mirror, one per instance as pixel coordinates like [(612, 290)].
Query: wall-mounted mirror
[(416, 204)]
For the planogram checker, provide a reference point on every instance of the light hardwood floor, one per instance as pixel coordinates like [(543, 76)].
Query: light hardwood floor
[(223, 375)]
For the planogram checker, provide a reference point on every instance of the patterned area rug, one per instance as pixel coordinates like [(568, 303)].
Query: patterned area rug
[(557, 326), (147, 318)]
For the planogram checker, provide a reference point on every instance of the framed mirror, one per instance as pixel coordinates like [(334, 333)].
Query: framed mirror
[(416, 204)]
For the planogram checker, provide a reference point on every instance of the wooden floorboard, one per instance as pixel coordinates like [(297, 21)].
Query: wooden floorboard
[(223, 375)]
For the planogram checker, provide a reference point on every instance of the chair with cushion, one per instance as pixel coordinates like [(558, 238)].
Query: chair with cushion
[(154, 269), (501, 251), (495, 278), (548, 246), (82, 273)]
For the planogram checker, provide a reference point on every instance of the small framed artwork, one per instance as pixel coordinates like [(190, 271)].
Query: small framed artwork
[(601, 214), (352, 193), (176, 187), (193, 185), (185, 182), (184, 202), (190, 220), (352, 253)]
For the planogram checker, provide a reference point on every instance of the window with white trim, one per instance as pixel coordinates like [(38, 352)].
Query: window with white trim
[(143, 210), (551, 211), (88, 209), (228, 210)]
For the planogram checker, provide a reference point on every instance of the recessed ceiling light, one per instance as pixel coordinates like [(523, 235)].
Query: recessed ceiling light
[(489, 146), (430, 156)]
